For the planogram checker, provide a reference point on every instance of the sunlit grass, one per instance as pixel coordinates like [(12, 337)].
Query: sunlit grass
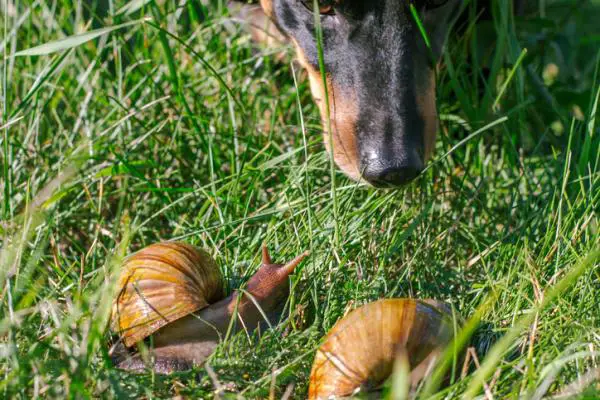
[(174, 126)]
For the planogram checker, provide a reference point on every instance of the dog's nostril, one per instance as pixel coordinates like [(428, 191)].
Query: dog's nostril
[(399, 176), (395, 176), (381, 175)]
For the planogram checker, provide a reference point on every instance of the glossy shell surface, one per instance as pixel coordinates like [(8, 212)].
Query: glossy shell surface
[(360, 350), (160, 284)]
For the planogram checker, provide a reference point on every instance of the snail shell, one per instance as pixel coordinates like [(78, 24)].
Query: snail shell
[(160, 284), (173, 291), (360, 350)]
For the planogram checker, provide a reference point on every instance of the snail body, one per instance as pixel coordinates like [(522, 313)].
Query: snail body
[(360, 350), (173, 292)]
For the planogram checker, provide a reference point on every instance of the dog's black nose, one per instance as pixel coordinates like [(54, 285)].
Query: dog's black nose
[(392, 173), (391, 176)]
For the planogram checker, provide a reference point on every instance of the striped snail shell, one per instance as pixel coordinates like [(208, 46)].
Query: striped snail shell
[(359, 351), (160, 284), (173, 291)]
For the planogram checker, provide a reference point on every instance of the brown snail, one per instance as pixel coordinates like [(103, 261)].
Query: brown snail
[(173, 291), (359, 351)]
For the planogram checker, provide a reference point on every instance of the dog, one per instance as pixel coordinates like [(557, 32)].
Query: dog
[(378, 98)]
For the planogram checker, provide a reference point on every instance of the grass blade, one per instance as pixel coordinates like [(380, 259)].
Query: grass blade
[(132, 7), (74, 41)]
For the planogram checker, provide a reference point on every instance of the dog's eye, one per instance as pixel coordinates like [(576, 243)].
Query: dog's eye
[(431, 4), (325, 6)]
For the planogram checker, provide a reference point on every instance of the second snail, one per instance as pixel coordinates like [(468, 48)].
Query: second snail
[(359, 352)]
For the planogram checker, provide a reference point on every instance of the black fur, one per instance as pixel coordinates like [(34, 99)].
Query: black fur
[(375, 53)]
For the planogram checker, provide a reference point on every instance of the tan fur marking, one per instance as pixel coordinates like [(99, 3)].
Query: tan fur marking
[(260, 26), (428, 110), (267, 6), (343, 111)]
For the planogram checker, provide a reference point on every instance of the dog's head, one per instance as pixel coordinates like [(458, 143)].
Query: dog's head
[(379, 79)]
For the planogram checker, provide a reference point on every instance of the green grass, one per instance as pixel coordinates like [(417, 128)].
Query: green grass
[(176, 128)]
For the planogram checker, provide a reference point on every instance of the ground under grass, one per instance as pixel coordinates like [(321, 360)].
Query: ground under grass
[(175, 127)]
